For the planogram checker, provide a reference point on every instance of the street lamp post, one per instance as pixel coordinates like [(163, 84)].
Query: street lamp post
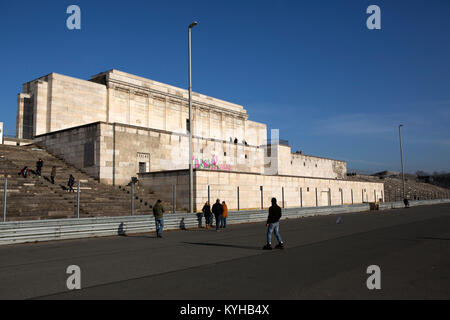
[(191, 171), (401, 157)]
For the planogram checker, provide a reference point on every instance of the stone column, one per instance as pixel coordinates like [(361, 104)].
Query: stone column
[(19, 117)]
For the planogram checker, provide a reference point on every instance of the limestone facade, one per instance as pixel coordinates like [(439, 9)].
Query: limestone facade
[(250, 188), (117, 126), (122, 151), (144, 128), (55, 102)]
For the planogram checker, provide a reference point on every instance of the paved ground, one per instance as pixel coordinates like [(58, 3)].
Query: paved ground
[(323, 260)]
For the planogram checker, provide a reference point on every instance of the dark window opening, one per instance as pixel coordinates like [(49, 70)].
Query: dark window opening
[(89, 154), (142, 167)]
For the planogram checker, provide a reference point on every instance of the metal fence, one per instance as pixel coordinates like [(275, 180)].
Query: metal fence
[(133, 204), (9, 187), (46, 230), (397, 195)]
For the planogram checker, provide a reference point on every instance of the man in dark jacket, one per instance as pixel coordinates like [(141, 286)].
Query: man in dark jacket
[(207, 213), (39, 165), (70, 183), (158, 212), (217, 209), (273, 224)]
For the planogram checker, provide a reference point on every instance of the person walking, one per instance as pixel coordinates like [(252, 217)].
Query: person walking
[(406, 202), (207, 213), (39, 165), (53, 175), (158, 213), (273, 224), (70, 183), (217, 209), (224, 215)]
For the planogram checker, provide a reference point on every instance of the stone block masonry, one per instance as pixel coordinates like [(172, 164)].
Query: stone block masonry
[(116, 126), (290, 191)]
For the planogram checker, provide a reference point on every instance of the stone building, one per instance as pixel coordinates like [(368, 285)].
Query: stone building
[(117, 125)]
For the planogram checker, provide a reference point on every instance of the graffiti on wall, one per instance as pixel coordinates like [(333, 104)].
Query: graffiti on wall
[(211, 164)]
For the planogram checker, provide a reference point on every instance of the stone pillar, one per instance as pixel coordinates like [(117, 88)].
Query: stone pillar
[(19, 116)]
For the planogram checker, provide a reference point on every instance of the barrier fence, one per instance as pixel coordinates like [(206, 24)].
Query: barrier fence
[(137, 206), (397, 195), (60, 229)]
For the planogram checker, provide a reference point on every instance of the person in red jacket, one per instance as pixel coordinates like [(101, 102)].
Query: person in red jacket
[(223, 223), (273, 224)]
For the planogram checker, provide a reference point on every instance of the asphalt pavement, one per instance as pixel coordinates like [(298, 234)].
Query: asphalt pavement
[(323, 259)]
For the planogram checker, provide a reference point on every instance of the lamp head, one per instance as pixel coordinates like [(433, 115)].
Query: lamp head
[(193, 24)]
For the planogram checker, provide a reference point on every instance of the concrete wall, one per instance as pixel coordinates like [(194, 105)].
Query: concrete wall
[(79, 147), (162, 183), (306, 192), (279, 160), (122, 147)]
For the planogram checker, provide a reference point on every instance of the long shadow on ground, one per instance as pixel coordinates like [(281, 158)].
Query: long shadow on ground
[(223, 245)]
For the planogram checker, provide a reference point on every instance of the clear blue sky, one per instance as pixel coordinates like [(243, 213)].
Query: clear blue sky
[(310, 68)]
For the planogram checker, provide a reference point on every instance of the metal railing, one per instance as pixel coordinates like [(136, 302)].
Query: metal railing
[(46, 230), (84, 207), (80, 207), (397, 195)]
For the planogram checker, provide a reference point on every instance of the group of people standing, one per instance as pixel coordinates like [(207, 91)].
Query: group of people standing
[(39, 165), (219, 211)]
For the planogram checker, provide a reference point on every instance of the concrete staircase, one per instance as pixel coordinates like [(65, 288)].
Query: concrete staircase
[(35, 198), (415, 190)]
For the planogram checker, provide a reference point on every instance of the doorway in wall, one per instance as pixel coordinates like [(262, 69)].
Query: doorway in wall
[(143, 160), (142, 167)]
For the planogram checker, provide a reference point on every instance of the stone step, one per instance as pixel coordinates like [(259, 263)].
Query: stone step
[(96, 199)]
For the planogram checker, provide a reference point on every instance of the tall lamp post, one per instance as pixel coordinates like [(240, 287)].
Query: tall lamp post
[(191, 170), (401, 157)]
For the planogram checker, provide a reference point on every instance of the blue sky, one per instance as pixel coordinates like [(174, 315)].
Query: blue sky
[(309, 68)]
